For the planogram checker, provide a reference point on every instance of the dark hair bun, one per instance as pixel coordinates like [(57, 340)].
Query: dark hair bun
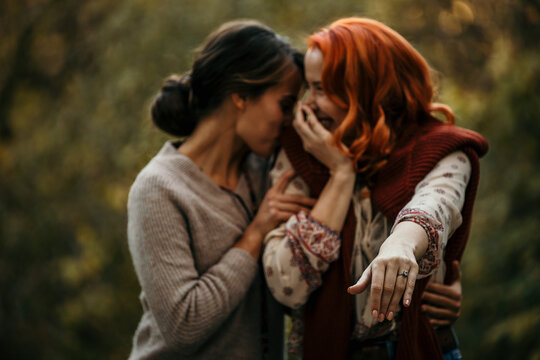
[(171, 109)]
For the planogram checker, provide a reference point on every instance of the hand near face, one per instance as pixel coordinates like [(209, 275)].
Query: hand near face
[(318, 141), (442, 303)]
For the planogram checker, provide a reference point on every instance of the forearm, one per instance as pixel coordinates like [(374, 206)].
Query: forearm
[(251, 241), (188, 310), (333, 203), (436, 207)]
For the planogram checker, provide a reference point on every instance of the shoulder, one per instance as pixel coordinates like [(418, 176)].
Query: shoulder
[(447, 138), (167, 172)]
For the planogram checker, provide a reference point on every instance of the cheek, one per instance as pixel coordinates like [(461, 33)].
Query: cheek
[(327, 107)]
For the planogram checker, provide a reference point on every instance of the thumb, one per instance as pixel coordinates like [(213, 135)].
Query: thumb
[(362, 283)]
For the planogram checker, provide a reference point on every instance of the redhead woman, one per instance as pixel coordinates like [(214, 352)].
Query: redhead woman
[(196, 212), (395, 187)]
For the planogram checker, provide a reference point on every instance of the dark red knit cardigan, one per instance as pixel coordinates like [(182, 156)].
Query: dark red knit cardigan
[(328, 313)]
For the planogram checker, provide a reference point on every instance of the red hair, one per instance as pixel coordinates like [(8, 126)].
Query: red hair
[(381, 80)]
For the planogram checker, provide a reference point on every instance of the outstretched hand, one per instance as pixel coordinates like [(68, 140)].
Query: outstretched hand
[(442, 303), (393, 272)]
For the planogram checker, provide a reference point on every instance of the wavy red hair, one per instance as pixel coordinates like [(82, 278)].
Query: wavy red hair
[(383, 82)]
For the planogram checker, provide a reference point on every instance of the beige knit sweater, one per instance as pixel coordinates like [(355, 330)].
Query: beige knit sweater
[(200, 296)]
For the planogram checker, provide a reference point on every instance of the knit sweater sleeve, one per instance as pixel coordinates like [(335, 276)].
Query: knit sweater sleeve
[(188, 306)]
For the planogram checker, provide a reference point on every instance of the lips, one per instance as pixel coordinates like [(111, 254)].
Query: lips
[(326, 122)]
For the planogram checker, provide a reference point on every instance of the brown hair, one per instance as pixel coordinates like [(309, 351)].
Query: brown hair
[(244, 57)]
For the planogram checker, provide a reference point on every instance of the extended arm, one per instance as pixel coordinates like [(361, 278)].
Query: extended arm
[(429, 219)]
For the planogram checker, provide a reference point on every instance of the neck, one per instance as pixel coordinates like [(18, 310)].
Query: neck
[(216, 149)]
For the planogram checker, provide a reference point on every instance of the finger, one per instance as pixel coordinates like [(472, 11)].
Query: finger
[(305, 125), (377, 282), (401, 283), (411, 282), (290, 208), (440, 301), (441, 289), (439, 313), (282, 216), (454, 273), (390, 276), (296, 199), (362, 283), (313, 121), (457, 270), (437, 322), (283, 181), (299, 122)]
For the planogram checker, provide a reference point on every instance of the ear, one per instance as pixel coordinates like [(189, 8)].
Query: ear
[(239, 101)]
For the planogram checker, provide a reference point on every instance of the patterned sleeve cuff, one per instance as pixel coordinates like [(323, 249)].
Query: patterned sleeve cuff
[(308, 273), (431, 259), (313, 246), (320, 240)]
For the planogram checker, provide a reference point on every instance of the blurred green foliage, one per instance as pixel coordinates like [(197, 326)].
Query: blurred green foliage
[(75, 87)]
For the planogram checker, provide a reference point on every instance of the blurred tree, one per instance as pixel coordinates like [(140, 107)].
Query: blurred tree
[(74, 131)]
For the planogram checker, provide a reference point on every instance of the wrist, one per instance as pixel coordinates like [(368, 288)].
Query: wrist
[(344, 172), (251, 240), (411, 236)]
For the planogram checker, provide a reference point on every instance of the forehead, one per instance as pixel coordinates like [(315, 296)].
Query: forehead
[(290, 83), (313, 63)]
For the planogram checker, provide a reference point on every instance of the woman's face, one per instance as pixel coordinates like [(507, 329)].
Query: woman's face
[(329, 114), (262, 119)]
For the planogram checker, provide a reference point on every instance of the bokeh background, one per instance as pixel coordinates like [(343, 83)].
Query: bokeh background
[(76, 81)]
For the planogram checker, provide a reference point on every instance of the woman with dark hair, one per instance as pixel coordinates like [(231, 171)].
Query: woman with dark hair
[(395, 188), (196, 212)]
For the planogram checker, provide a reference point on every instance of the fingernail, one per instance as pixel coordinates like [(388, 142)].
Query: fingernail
[(381, 317), (390, 315), (374, 314), (423, 308), (407, 302)]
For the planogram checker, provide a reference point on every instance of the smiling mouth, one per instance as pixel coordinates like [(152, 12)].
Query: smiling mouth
[(327, 123)]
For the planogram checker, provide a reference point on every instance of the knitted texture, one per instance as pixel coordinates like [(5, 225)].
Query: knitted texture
[(200, 295), (329, 311)]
